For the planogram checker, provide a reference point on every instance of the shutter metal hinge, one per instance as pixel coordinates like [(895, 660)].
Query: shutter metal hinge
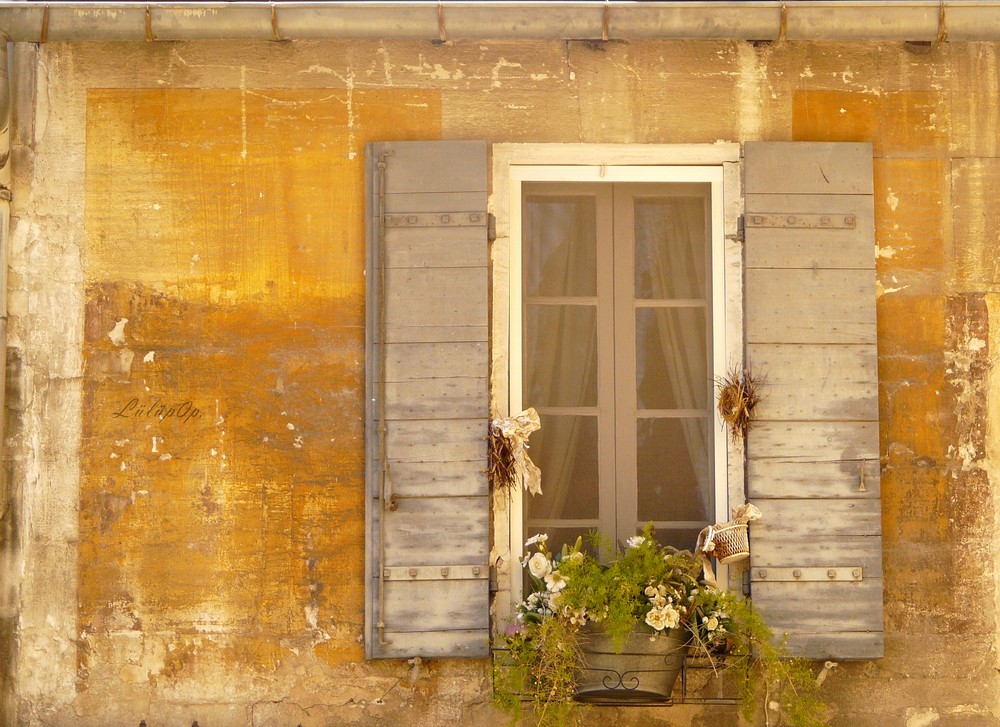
[(491, 229), (740, 234), (803, 221), (436, 573), (814, 574), (437, 219), (746, 583)]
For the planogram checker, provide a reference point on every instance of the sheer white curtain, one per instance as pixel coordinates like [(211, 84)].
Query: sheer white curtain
[(560, 352), (671, 250)]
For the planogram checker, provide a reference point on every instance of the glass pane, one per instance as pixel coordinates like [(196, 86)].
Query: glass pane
[(674, 465), (670, 248), (560, 355), (565, 449), (671, 359), (680, 538), (560, 246)]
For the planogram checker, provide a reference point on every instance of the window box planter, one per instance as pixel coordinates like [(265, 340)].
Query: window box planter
[(641, 670)]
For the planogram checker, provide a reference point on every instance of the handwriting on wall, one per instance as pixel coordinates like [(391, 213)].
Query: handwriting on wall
[(136, 408)]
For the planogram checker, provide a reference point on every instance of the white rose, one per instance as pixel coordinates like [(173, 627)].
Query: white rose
[(671, 617), (655, 619), (650, 591), (712, 624), (539, 566)]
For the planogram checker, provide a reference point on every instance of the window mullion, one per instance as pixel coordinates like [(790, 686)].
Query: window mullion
[(625, 367), (607, 456)]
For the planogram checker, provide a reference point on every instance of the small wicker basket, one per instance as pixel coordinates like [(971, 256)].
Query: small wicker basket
[(732, 542)]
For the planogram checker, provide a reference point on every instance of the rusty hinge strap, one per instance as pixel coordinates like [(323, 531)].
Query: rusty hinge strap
[(809, 221), (804, 573), (436, 572), (437, 219)]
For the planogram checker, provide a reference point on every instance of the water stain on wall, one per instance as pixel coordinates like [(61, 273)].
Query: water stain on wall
[(222, 469)]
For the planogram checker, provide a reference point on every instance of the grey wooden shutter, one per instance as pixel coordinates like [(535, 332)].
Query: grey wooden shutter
[(427, 403), (813, 457)]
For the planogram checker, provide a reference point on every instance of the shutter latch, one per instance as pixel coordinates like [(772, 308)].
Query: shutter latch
[(740, 234)]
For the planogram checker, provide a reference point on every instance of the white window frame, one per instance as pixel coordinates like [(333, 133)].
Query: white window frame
[(515, 164)]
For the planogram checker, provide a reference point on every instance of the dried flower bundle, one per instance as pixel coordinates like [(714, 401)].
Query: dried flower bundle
[(738, 395), (503, 467)]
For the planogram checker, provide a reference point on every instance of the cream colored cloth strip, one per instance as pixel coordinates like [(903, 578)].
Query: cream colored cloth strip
[(516, 430)]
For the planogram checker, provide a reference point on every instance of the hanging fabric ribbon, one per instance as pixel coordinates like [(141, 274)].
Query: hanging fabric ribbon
[(515, 431)]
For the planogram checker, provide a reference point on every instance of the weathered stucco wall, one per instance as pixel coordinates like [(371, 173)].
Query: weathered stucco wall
[(187, 233)]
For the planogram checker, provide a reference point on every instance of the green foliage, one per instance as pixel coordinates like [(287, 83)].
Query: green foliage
[(769, 676), (543, 664)]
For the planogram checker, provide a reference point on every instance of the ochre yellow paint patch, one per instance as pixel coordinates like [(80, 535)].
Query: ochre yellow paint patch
[(834, 116), (912, 214), (223, 450)]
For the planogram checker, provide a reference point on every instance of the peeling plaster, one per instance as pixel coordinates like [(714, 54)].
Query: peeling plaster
[(117, 334)]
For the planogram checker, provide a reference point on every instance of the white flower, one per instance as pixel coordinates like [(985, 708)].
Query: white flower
[(575, 556), (671, 617), (712, 624), (540, 538), (539, 566), (650, 591), (555, 581), (658, 601), (655, 619), (635, 541)]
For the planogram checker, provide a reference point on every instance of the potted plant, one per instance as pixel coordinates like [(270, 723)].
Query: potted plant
[(617, 632)]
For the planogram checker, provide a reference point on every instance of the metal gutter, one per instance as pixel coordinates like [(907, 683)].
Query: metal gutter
[(842, 20)]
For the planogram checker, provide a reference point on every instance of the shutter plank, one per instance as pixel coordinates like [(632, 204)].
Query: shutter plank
[(444, 247), (838, 646), (445, 605), (414, 361), (811, 306), (443, 479), (801, 168), (800, 518), (430, 201), (427, 401), (444, 397), (435, 297), (793, 478), (814, 459), (822, 607), (437, 531), (814, 551), (435, 644), (434, 334), (458, 167), (451, 440), (819, 382), (811, 336)]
